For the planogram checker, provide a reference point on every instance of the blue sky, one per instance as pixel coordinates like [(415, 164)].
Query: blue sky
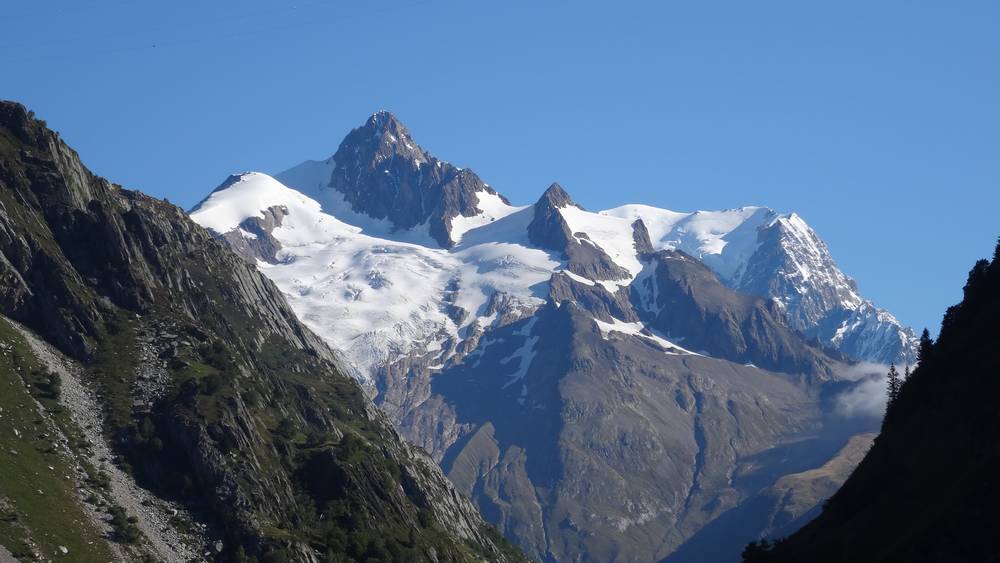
[(879, 122)]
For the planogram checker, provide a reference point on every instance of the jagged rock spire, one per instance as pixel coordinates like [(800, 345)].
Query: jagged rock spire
[(384, 174), (555, 196), (549, 230), (640, 236)]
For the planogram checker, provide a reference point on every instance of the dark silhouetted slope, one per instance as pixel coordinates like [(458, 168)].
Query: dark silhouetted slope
[(927, 490)]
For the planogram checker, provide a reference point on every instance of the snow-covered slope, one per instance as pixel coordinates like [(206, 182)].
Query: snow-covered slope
[(611, 234), (376, 299), (250, 195), (723, 240)]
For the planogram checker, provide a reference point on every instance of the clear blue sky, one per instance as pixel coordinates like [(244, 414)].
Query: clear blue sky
[(879, 122)]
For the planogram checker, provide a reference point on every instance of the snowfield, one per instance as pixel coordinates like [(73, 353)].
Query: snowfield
[(723, 240), (377, 299)]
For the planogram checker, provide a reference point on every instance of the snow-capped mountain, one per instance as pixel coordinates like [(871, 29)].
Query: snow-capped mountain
[(389, 187), (758, 251), (369, 290), (536, 351), (381, 174)]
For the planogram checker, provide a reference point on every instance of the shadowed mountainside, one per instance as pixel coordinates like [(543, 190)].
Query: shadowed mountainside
[(927, 490)]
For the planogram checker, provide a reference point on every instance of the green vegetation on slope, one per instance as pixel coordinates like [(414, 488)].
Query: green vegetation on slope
[(39, 508)]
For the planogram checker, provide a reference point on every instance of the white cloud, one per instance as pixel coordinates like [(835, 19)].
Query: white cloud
[(867, 396), (864, 370)]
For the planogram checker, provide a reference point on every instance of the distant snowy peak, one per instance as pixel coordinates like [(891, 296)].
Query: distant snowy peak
[(875, 334), (761, 252), (723, 240), (793, 265), (380, 172), (246, 196), (259, 216)]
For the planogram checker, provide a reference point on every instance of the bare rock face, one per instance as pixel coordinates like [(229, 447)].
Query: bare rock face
[(640, 237), (582, 442), (549, 230), (608, 445), (384, 174), (691, 301), (254, 422), (777, 510), (601, 303), (253, 241)]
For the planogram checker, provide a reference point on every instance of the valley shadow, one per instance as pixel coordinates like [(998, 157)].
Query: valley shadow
[(723, 539)]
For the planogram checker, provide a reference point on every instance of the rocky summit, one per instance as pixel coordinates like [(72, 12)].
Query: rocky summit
[(381, 172), (612, 385)]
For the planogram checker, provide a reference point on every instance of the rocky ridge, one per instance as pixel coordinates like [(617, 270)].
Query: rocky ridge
[(209, 388), (384, 174)]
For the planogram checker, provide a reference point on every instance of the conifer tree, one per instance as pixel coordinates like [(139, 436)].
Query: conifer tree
[(894, 384), (977, 278), (926, 345)]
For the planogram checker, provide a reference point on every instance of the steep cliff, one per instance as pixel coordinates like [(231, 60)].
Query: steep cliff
[(210, 391)]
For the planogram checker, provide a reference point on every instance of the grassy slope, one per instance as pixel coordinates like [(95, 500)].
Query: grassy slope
[(30, 520)]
